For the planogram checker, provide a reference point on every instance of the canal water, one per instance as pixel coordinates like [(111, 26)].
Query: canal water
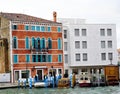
[(76, 90)]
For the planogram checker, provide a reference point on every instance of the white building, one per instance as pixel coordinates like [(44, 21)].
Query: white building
[(88, 47)]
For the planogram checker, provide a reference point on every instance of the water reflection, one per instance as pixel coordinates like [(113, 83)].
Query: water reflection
[(77, 90)]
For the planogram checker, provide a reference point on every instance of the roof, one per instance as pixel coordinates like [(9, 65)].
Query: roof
[(25, 18)]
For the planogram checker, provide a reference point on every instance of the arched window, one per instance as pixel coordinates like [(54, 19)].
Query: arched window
[(14, 42), (42, 43), (49, 43), (59, 44), (27, 43), (38, 43), (33, 42)]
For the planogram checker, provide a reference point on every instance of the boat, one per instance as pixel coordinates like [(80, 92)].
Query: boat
[(63, 83), (41, 84), (84, 80)]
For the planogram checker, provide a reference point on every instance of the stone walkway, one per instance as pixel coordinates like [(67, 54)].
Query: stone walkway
[(8, 85)]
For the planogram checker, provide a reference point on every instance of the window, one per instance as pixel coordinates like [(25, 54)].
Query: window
[(84, 56), (38, 43), (49, 43), (14, 42), (27, 43), (37, 28), (44, 58), (33, 58), (65, 34), (76, 32), (75, 71), (27, 58), (14, 27), (59, 44), (33, 43), (65, 46), (102, 44), (42, 43), (77, 57), (66, 58), (109, 44), (84, 33), (33, 28), (102, 32), (84, 44), (103, 56), (49, 58), (59, 58), (25, 74), (84, 70), (77, 44), (42, 28), (59, 29), (49, 29), (39, 58), (110, 56), (109, 32), (15, 58), (26, 27)]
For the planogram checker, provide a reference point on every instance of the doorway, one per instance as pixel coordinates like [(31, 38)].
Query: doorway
[(40, 74)]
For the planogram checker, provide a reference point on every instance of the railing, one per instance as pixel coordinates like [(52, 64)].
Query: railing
[(39, 50)]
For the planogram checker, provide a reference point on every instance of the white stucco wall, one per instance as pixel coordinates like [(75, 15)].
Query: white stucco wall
[(93, 39)]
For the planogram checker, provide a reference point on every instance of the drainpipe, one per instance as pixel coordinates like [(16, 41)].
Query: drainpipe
[(11, 57)]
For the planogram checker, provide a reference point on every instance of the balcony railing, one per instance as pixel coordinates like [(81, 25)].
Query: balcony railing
[(39, 50)]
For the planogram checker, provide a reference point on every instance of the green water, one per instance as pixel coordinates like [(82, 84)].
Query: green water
[(77, 90)]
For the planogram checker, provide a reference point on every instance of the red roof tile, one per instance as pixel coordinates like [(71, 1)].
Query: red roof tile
[(25, 18)]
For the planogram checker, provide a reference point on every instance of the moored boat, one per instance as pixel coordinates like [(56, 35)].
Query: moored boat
[(63, 83), (84, 80)]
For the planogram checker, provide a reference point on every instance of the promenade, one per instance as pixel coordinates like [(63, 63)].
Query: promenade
[(8, 85)]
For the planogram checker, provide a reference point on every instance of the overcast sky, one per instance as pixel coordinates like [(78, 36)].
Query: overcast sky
[(94, 11)]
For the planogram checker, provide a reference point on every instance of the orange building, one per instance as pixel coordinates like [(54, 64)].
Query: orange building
[(35, 45)]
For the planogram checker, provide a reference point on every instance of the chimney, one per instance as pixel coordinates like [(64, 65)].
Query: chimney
[(54, 16)]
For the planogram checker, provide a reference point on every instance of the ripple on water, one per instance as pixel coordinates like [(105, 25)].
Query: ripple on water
[(77, 90)]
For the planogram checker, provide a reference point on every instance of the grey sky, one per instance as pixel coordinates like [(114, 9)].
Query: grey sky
[(95, 11)]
